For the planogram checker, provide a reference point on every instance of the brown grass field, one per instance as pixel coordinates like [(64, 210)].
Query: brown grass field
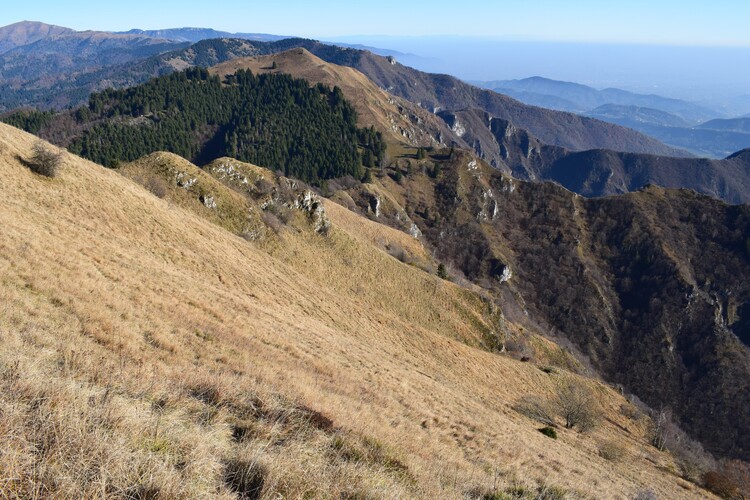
[(147, 352)]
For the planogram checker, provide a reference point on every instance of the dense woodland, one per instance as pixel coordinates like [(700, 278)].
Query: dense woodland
[(272, 120)]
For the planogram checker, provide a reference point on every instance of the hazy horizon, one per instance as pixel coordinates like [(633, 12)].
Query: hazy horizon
[(670, 22), (687, 49)]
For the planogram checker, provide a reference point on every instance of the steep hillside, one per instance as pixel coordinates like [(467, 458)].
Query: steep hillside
[(395, 117), (650, 286), (596, 172), (147, 352), (444, 92)]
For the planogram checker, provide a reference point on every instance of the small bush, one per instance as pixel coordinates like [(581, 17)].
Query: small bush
[(630, 411), (612, 451), (721, 484), (45, 160), (263, 187), (273, 222), (646, 495), (157, 186), (397, 251), (549, 432), (442, 272)]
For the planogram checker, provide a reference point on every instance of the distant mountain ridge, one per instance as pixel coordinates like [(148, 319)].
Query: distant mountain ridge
[(584, 98), (633, 116), (731, 125), (51, 66), (26, 32), (437, 92), (598, 172), (194, 35), (675, 122)]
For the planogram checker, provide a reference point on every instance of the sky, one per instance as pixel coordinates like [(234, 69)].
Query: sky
[(670, 22)]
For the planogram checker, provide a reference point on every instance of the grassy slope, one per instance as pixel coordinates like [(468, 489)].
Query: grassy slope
[(170, 353)]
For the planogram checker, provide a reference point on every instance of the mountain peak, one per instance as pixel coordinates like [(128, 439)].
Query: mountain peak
[(26, 32), (743, 155)]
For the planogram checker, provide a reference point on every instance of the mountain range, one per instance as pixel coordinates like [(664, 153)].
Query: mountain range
[(193, 35), (432, 92), (506, 146), (675, 122), (462, 270), (579, 98)]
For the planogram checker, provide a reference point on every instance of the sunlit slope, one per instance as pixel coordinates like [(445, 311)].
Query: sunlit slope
[(181, 360), (398, 119)]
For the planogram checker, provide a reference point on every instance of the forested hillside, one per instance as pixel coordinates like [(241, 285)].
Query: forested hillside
[(274, 120)]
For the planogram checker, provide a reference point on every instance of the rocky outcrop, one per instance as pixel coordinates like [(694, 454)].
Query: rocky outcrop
[(310, 203)]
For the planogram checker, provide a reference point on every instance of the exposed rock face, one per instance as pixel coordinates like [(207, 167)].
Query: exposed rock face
[(226, 171), (309, 202), (184, 180), (506, 275), (208, 201)]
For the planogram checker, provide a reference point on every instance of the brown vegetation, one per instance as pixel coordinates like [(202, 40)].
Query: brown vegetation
[(148, 352), (45, 159)]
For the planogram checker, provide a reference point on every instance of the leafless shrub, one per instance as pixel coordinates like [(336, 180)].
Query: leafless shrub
[(721, 484), (660, 427), (646, 495), (612, 451), (270, 220), (519, 348), (397, 251), (731, 480), (693, 461), (537, 408), (576, 404), (157, 186), (262, 186), (45, 160), (342, 183), (630, 411)]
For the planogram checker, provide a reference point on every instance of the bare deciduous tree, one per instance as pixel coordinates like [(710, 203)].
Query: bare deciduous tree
[(575, 403)]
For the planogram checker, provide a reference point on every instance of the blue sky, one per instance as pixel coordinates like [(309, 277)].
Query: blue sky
[(671, 22)]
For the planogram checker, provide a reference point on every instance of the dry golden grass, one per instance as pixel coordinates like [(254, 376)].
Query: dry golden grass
[(148, 353), (178, 181)]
